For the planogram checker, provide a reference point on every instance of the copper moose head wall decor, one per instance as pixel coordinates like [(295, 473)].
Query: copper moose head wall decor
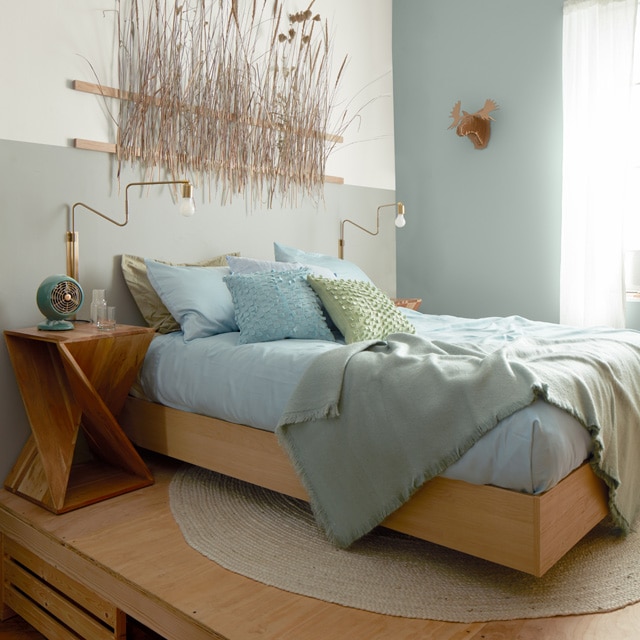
[(476, 126)]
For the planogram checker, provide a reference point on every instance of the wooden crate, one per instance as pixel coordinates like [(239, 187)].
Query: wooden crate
[(53, 603)]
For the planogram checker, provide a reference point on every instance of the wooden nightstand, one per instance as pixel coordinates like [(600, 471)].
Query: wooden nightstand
[(409, 303), (71, 380)]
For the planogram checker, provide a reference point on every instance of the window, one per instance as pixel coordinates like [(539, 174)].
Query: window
[(599, 146)]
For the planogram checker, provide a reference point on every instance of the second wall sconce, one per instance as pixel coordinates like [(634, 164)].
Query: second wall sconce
[(399, 222), (187, 208)]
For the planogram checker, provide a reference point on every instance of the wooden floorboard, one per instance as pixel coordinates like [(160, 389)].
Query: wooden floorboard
[(17, 629), (130, 551)]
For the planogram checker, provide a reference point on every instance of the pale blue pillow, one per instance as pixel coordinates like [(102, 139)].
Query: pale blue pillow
[(342, 269), (197, 297), (240, 264), (274, 305)]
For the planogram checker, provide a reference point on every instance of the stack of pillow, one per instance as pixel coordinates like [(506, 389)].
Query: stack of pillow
[(299, 295)]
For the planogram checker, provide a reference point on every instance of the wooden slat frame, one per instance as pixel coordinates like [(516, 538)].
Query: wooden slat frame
[(112, 92), (53, 603), (110, 147), (25, 526)]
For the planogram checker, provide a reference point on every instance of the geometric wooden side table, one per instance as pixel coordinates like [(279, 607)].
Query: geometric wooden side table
[(72, 380)]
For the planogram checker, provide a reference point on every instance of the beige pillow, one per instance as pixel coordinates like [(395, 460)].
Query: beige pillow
[(154, 312)]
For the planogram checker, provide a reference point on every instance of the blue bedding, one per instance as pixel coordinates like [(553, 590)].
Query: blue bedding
[(371, 423), (251, 384)]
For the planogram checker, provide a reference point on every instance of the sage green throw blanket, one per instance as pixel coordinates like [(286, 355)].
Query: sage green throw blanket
[(371, 422)]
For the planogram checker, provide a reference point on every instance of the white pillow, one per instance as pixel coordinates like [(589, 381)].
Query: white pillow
[(253, 265), (341, 269)]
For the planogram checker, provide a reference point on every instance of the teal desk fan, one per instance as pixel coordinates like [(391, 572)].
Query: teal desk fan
[(59, 297)]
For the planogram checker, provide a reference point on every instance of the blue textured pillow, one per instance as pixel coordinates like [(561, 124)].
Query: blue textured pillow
[(273, 305), (197, 297), (342, 269)]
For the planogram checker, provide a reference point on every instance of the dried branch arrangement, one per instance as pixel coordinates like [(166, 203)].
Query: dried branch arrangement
[(236, 92)]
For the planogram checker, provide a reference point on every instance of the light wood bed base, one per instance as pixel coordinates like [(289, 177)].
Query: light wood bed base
[(521, 531)]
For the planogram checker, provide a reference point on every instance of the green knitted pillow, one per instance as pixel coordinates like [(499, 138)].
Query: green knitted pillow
[(359, 309)]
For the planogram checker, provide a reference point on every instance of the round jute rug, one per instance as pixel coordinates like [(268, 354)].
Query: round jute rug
[(274, 539)]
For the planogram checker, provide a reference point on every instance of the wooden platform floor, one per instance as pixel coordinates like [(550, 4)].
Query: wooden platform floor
[(129, 549)]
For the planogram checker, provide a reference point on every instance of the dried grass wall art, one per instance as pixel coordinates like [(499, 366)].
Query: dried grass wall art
[(239, 94)]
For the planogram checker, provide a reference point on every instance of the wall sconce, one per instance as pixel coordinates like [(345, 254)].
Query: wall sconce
[(187, 208), (399, 222)]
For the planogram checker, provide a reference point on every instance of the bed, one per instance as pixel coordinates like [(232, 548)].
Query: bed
[(524, 515)]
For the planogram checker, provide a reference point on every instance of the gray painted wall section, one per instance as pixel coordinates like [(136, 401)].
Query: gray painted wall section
[(485, 224), (40, 183)]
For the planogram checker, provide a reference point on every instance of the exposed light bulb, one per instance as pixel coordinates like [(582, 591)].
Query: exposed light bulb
[(400, 219), (188, 204), (187, 207)]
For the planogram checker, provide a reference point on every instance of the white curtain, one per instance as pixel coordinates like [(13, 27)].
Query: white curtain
[(598, 45)]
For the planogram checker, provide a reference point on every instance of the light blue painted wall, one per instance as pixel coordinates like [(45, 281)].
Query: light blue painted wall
[(483, 226)]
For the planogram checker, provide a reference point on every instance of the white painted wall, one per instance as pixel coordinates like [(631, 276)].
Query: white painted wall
[(63, 40), (44, 45)]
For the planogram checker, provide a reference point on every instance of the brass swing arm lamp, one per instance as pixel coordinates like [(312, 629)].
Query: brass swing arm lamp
[(399, 222), (187, 208)]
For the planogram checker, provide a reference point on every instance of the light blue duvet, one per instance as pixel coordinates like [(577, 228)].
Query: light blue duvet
[(251, 384)]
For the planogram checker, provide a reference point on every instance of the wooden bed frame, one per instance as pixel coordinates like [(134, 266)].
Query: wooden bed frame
[(521, 531)]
